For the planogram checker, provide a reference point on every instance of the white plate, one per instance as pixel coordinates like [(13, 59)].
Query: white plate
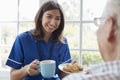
[(63, 65)]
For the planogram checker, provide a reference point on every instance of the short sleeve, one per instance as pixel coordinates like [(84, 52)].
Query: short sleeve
[(15, 59), (66, 51)]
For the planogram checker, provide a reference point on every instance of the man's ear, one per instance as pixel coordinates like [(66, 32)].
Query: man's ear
[(111, 28)]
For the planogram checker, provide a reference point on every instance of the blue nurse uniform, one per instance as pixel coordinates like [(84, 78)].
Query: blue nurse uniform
[(26, 49)]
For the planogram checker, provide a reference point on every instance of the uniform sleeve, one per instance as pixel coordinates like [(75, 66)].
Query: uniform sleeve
[(15, 59), (66, 54)]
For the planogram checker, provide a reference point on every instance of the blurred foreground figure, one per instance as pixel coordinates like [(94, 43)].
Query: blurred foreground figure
[(108, 36)]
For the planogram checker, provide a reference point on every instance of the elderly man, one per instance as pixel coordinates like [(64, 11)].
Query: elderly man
[(108, 36)]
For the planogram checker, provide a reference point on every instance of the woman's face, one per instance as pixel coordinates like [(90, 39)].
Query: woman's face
[(51, 20)]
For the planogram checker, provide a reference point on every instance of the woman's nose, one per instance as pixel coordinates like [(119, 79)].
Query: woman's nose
[(53, 22)]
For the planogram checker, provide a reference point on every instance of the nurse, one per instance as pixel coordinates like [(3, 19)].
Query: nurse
[(45, 41)]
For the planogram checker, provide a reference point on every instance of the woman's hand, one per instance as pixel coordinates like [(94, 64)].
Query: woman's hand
[(32, 68), (73, 62)]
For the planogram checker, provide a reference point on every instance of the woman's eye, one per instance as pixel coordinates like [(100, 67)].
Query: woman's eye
[(49, 17), (57, 18)]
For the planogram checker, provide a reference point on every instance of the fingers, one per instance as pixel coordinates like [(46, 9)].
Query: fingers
[(36, 61), (32, 68), (73, 62), (32, 71), (88, 71), (35, 64)]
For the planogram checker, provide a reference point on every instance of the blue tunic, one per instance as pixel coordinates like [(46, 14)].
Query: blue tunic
[(26, 49)]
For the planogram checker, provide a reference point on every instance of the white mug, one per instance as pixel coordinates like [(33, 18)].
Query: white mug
[(47, 68)]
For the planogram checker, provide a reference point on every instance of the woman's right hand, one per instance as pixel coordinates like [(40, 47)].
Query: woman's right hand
[(32, 68)]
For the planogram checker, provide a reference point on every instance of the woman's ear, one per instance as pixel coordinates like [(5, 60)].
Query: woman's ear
[(111, 28)]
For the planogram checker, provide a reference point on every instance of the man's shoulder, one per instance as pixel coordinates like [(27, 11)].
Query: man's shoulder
[(94, 76), (101, 71), (106, 66)]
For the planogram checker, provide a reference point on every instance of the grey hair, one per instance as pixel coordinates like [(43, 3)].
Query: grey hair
[(112, 9)]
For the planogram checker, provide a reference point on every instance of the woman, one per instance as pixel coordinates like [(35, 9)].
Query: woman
[(44, 42)]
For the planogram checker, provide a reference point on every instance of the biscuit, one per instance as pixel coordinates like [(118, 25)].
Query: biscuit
[(73, 68)]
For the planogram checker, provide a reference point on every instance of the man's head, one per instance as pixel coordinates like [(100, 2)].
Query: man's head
[(108, 33)]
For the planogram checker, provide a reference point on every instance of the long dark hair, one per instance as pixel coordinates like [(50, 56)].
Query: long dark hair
[(38, 31)]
